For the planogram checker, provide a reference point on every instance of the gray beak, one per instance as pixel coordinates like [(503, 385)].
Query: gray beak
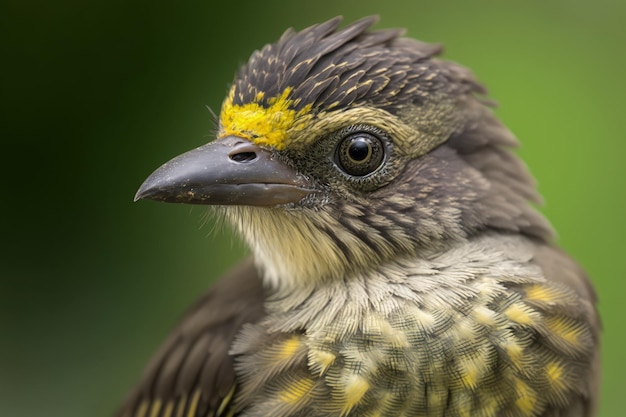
[(228, 171)]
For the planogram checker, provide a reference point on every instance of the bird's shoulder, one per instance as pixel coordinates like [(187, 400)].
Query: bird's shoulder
[(192, 374), (497, 324)]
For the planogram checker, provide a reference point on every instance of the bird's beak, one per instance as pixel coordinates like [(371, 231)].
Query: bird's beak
[(228, 171)]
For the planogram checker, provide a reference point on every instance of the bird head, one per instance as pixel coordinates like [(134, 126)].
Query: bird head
[(339, 149)]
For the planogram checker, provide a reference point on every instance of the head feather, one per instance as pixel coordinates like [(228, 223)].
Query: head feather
[(326, 68)]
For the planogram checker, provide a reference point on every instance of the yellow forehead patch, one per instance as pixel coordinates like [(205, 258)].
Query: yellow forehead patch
[(271, 124)]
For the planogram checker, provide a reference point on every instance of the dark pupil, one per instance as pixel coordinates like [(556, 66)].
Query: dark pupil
[(359, 150)]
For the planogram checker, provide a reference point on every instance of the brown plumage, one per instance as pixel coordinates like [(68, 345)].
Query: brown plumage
[(398, 267), (342, 68)]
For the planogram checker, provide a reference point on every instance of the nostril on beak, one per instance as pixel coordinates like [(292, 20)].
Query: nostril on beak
[(243, 157), (243, 152)]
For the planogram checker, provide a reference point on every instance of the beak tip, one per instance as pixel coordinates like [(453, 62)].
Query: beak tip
[(145, 191)]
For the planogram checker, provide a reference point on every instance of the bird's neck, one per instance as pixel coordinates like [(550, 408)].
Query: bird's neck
[(289, 247), (450, 278), (297, 248)]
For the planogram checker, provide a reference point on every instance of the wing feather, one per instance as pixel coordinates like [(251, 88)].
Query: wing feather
[(562, 270), (192, 373)]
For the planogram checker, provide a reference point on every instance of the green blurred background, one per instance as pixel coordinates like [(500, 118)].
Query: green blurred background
[(97, 94)]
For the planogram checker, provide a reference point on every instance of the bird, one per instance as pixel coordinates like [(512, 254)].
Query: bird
[(399, 265)]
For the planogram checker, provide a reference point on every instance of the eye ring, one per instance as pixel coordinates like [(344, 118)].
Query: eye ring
[(360, 153)]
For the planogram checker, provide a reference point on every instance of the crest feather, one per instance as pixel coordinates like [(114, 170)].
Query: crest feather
[(326, 67)]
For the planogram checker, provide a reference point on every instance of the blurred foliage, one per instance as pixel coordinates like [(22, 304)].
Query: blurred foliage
[(97, 94)]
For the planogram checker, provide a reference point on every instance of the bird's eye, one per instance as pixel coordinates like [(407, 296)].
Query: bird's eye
[(360, 153)]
